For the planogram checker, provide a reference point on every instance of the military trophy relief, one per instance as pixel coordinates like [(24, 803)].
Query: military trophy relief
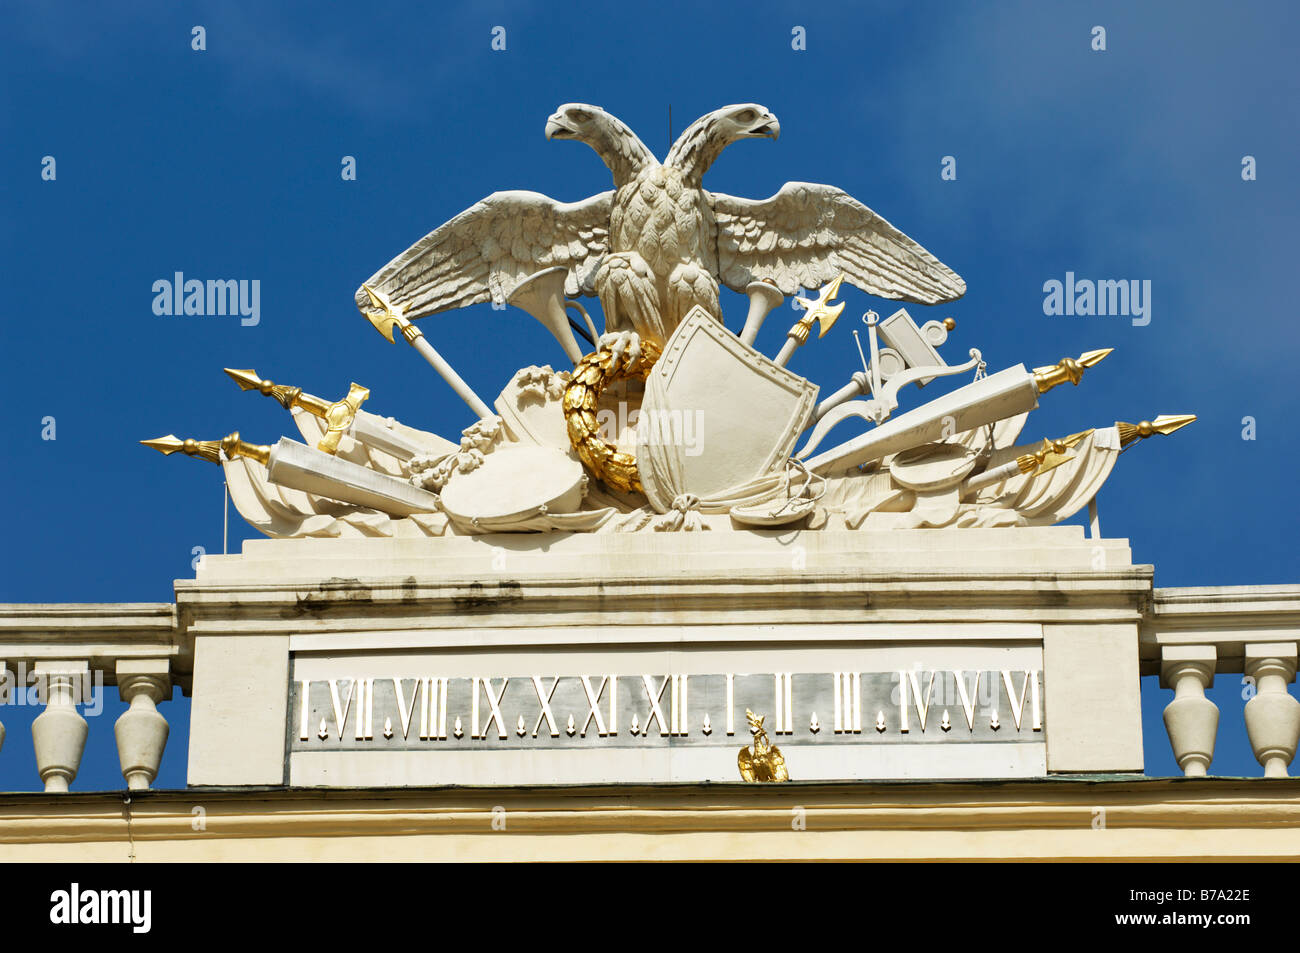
[(671, 420)]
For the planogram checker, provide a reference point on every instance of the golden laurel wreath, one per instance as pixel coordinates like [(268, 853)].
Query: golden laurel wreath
[(591, 376)]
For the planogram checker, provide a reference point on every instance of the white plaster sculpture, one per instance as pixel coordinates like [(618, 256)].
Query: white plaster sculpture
[(675, 423), (689, 442), (660, 244)]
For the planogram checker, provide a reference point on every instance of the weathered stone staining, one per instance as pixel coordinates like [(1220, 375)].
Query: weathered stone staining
[(653, 647)]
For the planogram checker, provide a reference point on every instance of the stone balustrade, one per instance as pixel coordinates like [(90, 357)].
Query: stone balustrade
[(1187, 636), (1190, 635), (59, 655)]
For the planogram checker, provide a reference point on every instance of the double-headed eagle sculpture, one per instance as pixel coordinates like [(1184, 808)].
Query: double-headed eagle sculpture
[(659, 243), (717, 420)]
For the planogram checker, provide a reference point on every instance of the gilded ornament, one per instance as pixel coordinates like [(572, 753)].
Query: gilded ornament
[(762, 761), (593, 374)]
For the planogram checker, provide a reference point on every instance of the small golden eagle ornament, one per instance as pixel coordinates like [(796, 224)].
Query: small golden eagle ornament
[(762, 762)]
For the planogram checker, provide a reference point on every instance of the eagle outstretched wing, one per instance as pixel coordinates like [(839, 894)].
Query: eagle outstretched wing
[(807, 234), (488, 249)]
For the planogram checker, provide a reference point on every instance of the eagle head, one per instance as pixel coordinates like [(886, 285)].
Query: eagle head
[(576, 121), (744, 121), (703, 140), (616, 144)]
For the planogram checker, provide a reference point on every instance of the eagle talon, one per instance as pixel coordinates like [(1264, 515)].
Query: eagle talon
[(624, 348)]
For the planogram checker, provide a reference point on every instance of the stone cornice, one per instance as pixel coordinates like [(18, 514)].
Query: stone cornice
[(746, 595), (1052, 818), (1226, 617), (101, 633)]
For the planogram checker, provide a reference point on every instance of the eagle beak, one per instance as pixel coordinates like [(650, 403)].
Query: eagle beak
[(770, 129), (555, 128)]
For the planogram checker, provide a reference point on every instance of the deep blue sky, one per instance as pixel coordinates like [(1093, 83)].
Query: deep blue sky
[(225, 164)]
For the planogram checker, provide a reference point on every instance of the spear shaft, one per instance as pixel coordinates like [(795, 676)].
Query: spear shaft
[(385, 318)]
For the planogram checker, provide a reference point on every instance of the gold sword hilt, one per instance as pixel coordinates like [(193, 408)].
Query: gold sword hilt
[(338, 415), (1050, 454)]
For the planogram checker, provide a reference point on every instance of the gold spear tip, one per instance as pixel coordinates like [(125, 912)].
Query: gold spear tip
[(1164, 424), (822, 312), (828, 318), (209, 450), (1168, 423), (1090, 358), (382, 314), (289, 397), (247, 380), (165, 445), (378, 299)]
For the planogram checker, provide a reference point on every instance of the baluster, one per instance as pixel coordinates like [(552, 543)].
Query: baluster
[(1191, 719), (59, 732), (6, 689), (141, 731), (1272, 716)]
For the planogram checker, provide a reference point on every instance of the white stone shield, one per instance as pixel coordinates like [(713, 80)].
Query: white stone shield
[(717, 416)]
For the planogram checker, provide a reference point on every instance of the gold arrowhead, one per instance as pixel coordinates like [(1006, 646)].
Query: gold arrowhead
[(825, 315), (203, 449), (818, 312), (1164, 424), (165, 445), (247, 380), (211, 450), (385, 316), (288, 397)]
